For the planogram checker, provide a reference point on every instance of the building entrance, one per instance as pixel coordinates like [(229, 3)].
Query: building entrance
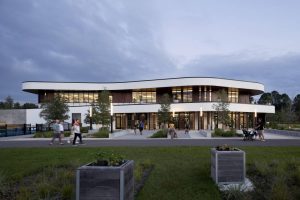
[(182, 119)]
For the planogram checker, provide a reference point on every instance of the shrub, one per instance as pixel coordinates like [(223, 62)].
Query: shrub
[(225, 147), (84, 129), (218, 132), (221, 133), (160, 134), (273, 125), (104, 158), (102, 133), (49, 134)]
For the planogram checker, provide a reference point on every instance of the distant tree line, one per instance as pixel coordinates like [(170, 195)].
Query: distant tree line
[(9, 103), (286, 109)]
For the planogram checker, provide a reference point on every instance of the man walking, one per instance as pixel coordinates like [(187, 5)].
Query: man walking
[(56, 132)]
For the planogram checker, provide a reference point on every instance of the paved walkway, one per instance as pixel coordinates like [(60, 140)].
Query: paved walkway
[(193, 134), (194, 138)]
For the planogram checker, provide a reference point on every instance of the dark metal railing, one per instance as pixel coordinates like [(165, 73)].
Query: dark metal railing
[(7, 130)]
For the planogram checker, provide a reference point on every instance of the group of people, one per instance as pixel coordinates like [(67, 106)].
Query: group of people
[(58, 132), (139, 125)]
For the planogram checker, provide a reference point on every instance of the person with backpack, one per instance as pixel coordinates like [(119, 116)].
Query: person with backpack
[(56, 132), (141, 127)]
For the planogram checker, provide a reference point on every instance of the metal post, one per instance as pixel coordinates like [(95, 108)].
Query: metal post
[(111, 117), (91, 123), (5, 130), (111, 124)]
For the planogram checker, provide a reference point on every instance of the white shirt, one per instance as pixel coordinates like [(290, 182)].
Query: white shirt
[(76, 128), (61, 128)]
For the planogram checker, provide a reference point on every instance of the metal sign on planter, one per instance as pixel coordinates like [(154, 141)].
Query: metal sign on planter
[(105, 182), (228, 166)]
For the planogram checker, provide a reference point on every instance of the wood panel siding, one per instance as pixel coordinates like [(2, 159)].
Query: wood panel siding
[(45, 98), (244, 98), (122, 96)]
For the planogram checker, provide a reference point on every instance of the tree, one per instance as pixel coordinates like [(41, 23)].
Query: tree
[(29, 106), (265, 98), (285, 103), (276, 100), (164, 114), (9, 103), (17, 105), (56, 109), (222, 108), (95, 115), (103, 109), (296, 106)]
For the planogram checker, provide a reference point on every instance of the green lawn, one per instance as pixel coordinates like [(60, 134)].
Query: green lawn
[(179, 172)]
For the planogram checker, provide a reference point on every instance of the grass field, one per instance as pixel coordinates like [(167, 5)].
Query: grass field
[(179, 172)]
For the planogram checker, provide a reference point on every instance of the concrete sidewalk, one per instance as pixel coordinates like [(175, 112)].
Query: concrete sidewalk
[(192, 135)]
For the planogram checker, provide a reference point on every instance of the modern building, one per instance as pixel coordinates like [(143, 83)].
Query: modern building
[(193, 100)]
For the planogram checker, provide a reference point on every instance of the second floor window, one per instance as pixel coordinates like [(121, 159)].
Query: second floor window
[(233, 95), (144, 96), (187, 94)]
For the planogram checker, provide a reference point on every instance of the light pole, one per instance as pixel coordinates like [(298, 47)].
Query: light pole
[(255, 116), (201, 114), (91, 114), (174, 118), (111, 117)]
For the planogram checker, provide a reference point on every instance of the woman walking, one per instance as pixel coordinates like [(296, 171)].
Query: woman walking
[(77, 132)]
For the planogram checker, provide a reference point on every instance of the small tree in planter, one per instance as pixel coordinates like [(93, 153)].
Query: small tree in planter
[(164, 113), (108, 177), (228, 165)]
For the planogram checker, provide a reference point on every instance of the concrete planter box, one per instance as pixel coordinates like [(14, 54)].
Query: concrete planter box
[(228, 166), (105, 182)]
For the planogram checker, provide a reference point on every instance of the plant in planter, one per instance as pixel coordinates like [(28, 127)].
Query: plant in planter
[(228, 165), (108, 159), (108, 177)]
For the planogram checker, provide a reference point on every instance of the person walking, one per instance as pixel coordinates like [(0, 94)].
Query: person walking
[(135, 126), (260, 129), (61, 130), (72, 134), (187, 127), (172, 131), (77, 132), (141, 127), (56, 132)]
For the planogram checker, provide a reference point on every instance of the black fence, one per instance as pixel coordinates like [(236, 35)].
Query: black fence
[(7, 130), (48, 127)]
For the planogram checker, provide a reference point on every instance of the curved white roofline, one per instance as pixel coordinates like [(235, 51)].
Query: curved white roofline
[(156, 83)]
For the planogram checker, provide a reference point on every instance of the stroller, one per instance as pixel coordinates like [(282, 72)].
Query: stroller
[(249, 135)]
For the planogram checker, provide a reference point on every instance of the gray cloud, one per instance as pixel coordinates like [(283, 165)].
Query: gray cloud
[(276, 73), (118, 41), (77, 41)]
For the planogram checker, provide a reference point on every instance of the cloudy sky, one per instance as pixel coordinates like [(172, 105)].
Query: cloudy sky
[(105, 40)]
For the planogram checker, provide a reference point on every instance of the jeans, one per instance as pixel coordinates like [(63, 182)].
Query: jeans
[(75, 137)]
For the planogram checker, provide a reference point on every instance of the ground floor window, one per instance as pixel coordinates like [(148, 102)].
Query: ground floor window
[(194, 120)]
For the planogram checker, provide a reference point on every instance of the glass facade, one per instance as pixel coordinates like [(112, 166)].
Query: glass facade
[(144, 96), (233, 95), (176, 93), (78, 97), (187, 94), (205, 93)]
